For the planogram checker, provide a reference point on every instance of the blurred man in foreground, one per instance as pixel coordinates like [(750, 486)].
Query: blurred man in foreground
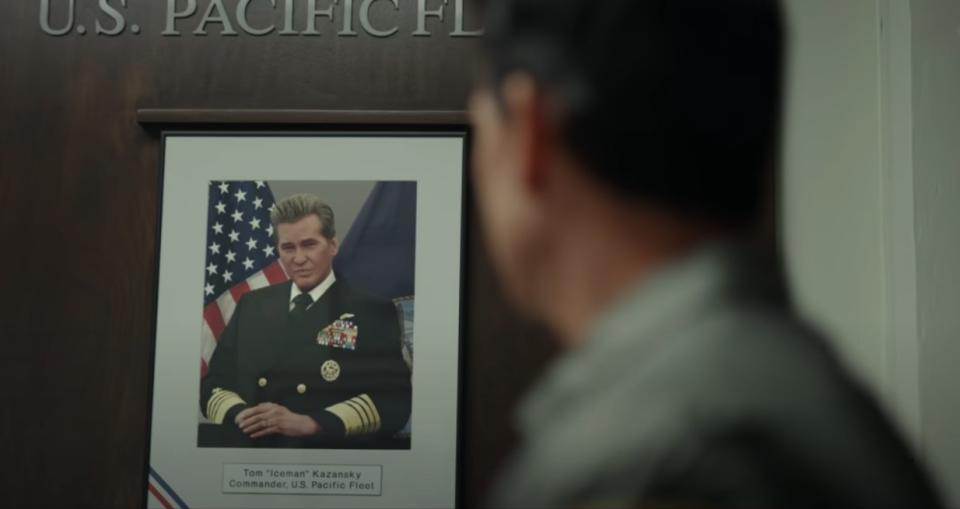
[(623, 152)]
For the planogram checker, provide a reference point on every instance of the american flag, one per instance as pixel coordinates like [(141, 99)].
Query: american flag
[(241, 254)]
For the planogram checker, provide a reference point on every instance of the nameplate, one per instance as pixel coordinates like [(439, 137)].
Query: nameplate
[(340, 480)]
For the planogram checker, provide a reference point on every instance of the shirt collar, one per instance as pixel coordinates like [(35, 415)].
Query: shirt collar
[(317, 291)]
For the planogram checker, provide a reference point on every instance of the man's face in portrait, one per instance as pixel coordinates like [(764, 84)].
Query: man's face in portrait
[(305, 253)]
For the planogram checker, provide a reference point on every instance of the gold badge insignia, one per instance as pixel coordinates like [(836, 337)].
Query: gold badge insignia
[(330, 371)]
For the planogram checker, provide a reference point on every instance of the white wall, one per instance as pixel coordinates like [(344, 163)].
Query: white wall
[(871, 202), (832, 200), (936, 162)]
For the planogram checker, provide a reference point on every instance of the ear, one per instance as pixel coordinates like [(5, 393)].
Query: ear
[(334, 246), (532, 129)]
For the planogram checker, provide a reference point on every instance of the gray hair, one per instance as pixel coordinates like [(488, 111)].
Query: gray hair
[(299, 206)]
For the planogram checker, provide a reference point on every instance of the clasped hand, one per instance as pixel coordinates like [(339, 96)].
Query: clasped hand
[(272, 419)]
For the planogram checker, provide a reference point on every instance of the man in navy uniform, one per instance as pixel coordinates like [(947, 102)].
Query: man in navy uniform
[(310, 362), (622, 153)]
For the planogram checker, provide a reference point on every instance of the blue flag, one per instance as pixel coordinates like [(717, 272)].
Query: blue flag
[(378, 254)]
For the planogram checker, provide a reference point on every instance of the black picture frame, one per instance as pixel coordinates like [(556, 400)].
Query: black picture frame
[(352, 124)]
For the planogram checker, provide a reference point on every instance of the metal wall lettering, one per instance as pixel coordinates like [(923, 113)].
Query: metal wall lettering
[(45, 18), (261, 18)]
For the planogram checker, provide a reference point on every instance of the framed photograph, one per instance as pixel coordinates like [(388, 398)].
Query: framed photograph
[(308, 320)]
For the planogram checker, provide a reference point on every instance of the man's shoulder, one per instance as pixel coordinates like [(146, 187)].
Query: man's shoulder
[(733, 368), (740, 361), (749, 384)]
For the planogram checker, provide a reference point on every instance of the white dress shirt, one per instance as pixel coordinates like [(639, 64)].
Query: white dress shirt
[(317, 291)]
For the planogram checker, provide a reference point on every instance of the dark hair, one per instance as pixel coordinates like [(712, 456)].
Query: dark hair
[(674, 101)]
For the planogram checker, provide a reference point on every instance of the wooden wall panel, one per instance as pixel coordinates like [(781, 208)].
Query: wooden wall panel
[(78, 211)]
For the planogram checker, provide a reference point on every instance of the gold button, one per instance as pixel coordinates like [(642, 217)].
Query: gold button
[(301, 388), (262, 382)]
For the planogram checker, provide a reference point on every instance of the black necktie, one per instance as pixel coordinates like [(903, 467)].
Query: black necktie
[(301, 303)]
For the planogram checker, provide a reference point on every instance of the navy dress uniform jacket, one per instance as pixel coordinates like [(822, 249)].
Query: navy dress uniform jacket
[(358, 391)]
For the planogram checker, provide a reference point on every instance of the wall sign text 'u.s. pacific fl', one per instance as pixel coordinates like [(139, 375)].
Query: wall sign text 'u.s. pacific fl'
[(340, 18)]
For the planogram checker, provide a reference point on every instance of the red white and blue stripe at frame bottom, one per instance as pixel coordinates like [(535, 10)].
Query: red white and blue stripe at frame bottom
[(163, 493)]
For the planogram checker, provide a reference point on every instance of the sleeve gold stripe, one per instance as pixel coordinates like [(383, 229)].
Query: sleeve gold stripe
[(365, 399), (352, 419), (359, 415), (364, 417), (214, 403), (220, 403)]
